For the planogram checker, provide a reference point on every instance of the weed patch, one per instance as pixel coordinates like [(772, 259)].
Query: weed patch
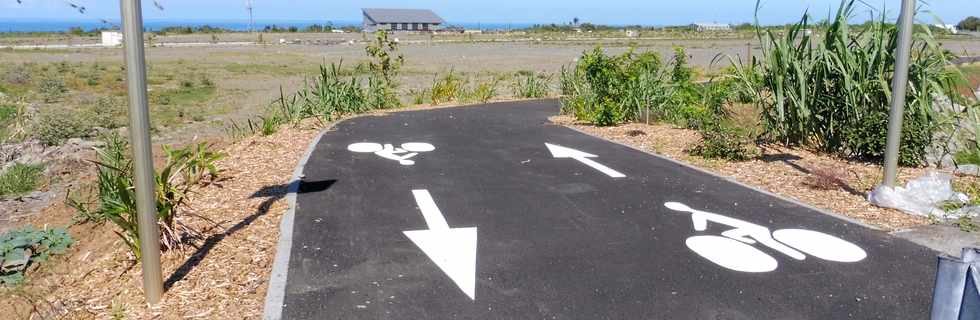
[(20, 179)]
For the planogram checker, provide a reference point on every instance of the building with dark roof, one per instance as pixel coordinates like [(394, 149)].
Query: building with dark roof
[(401, 20)]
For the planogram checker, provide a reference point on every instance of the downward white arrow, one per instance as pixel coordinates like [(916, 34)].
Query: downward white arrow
[(452, 249), (583, 157)]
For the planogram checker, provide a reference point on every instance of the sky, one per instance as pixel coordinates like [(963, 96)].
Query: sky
[(615, 12)]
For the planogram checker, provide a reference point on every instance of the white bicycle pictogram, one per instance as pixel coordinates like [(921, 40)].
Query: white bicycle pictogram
[(402, 154), (733, 250)]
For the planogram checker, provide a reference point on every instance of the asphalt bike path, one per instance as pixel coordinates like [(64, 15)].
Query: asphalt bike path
[(492, 212)]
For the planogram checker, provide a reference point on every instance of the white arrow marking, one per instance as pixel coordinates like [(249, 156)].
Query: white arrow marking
[(583, 157), (452, 249)]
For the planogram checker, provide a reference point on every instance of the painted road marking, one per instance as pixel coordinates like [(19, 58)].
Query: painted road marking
[(734, 251), (583, 157), (389, 151), (452, 249)]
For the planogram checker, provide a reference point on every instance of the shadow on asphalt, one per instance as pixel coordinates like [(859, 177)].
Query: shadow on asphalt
[(273, 194)]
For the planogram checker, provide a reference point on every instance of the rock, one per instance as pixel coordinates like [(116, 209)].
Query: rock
[(18, 263), (969, 169)]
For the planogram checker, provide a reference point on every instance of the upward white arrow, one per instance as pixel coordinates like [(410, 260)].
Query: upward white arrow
[(583, 157), (452, 249)]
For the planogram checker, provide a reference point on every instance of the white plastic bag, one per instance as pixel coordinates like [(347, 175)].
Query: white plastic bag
[(922, 196)]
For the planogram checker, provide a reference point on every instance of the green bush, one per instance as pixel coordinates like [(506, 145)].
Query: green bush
[(54, 129), (629, 87), (52, 89), (30, 246), (184, 170), (607, 113), (20, 178), (832, 91), (720, 141)]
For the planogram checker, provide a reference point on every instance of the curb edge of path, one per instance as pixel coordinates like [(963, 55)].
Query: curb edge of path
[(276, 293), (736, 182)]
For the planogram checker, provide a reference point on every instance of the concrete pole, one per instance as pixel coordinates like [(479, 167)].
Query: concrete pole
[(139, 137), (899, 86)]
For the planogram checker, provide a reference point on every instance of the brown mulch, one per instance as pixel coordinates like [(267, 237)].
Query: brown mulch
[(791, 172), (224, 275)]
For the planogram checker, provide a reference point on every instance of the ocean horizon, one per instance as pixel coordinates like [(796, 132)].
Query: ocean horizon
[(42, 25)]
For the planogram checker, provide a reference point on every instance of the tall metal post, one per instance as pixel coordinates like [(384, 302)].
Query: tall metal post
[(139, 137), (899, 86)]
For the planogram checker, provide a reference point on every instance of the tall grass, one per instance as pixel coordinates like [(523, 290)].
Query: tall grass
[(832, 92), (531, 86)]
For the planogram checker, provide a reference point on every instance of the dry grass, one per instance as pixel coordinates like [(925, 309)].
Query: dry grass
[(820, 180)]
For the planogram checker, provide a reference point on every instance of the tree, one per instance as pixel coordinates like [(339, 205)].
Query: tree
[(970, 23)]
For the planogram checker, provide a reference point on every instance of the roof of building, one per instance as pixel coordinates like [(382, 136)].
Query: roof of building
[(402, 15)]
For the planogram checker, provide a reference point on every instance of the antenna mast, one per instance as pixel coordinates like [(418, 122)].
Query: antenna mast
[(251, 20)]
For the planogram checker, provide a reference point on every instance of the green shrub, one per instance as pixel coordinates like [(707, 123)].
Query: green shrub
[(185, 169), (681, 73), (105, 113), (30, 246), (720, 141), (607, 113), (54, 129), (632, 86), (20, 179), (52, 89), (832, 91)]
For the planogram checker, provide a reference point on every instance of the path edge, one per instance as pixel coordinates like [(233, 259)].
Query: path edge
[(276, 293), (736, 182)]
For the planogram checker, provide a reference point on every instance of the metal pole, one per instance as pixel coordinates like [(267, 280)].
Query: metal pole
[(139, 137), (899, 84)]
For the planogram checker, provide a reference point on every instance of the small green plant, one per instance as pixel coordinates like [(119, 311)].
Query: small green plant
[(418, 96), (531, 86), (21, 247), (484, 91), (52, 89), (20, 178), (184, 170), (720, 141)]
